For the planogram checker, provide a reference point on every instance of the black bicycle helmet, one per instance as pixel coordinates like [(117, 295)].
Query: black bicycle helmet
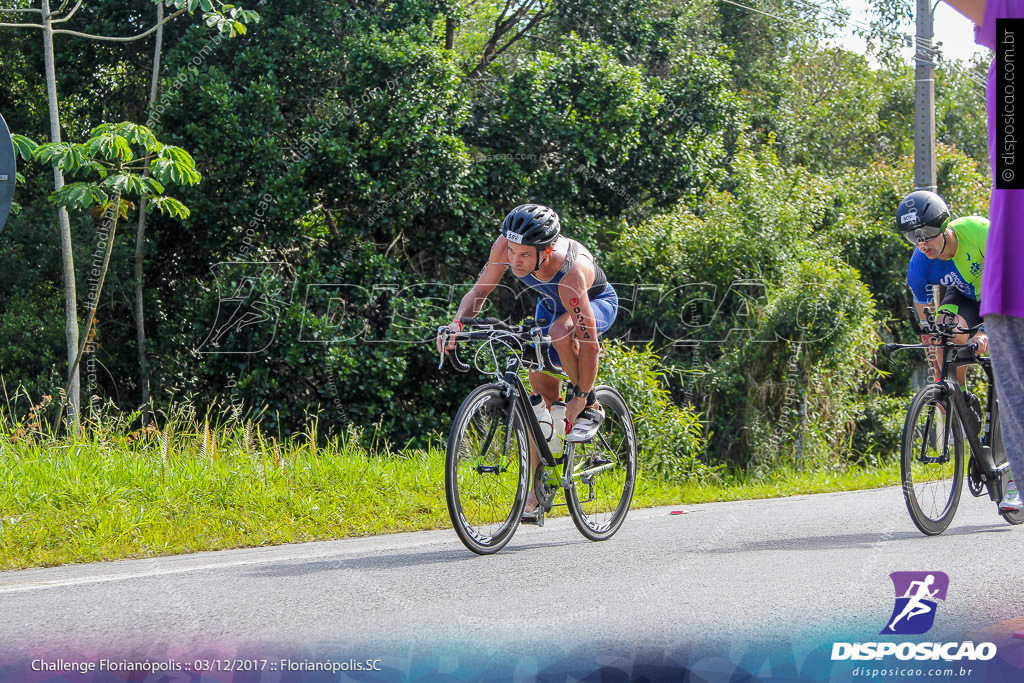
[(921, 216), (531, 224)]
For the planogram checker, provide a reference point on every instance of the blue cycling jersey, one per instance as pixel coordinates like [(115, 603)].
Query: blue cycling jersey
[(962, 272)]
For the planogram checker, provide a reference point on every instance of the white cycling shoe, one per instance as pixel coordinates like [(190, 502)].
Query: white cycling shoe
[(587, 423), (1011, 502)]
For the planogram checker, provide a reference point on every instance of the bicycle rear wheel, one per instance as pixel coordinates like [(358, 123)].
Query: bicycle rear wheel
[(487, 470), (604, 471), (932, 460)]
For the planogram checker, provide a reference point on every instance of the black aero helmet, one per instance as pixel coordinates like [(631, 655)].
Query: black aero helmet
[(922, 215), (531, 224)]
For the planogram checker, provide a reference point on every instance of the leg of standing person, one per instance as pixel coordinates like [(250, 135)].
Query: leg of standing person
[(1006, 344)]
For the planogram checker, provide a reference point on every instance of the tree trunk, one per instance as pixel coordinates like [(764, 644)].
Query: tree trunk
[(140, 242), (449, 33), (67, 255), (115, 207)]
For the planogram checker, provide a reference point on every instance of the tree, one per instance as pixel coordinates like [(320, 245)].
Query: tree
[(383, 165), (513, 22), (576, 127), (128, 162), (226, 18), (140, 238)]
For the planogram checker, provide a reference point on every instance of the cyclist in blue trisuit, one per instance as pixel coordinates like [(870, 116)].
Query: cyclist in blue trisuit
[(576, 305)]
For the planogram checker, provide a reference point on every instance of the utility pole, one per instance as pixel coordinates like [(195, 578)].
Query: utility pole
[(924, 100)]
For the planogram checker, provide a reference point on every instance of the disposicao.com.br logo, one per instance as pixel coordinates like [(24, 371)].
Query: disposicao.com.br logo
[(913, 613), (916, 593)]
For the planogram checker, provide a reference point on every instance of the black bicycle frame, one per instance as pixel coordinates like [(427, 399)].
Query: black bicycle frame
[(983, 450), (511, 378), (992, 436)]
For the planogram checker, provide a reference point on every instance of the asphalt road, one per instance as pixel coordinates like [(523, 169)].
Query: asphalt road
[(807, 569)]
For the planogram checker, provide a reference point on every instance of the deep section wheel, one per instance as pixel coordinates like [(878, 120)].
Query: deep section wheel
[(487, 470), (932, 460), (604, 471)]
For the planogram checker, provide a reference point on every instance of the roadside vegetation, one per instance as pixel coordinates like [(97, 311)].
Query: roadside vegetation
[(258, 367), (212, 483)]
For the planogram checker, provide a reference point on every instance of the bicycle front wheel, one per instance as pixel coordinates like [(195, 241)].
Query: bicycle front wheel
[(487, 470), (932, 460), (604, 471)]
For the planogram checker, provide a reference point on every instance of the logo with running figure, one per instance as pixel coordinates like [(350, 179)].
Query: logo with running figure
[(916, 596)]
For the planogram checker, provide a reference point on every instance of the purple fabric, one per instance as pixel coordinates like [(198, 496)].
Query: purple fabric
[(1002, 282)]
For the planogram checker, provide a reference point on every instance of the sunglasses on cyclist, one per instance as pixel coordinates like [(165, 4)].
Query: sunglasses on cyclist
[(922, 234)]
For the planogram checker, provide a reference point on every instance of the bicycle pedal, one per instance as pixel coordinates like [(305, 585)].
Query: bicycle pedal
[(533, 518)]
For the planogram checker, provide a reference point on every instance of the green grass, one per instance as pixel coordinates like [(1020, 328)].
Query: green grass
[(192, 488), (786, 481)]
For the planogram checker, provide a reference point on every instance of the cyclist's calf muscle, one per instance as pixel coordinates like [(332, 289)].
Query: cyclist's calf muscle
[(579, 356)]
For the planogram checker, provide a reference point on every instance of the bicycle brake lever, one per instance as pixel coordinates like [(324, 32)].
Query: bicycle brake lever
[(443, 330), (452, 355)]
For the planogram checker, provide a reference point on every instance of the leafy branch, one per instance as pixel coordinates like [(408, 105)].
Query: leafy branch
[(519, 23), (122, 161), (225, 18)]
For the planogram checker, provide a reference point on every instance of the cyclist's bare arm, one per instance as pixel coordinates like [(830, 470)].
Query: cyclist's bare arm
[(485, 283)]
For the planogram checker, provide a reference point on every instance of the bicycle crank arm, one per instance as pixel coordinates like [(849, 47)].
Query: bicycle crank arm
[(594, 470)]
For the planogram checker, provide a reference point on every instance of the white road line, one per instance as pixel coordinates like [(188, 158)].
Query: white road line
[(343, 549), (163, 571)]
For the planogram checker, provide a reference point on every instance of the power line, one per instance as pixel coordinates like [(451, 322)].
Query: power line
[(928, 51), (846, 21), (786, 20), (834, 15)]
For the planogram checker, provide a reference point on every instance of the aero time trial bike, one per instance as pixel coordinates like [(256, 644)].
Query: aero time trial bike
[(487, 468), (938, 422)]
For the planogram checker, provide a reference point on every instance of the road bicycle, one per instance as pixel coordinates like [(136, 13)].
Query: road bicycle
[(938, 422), (487, 477)]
